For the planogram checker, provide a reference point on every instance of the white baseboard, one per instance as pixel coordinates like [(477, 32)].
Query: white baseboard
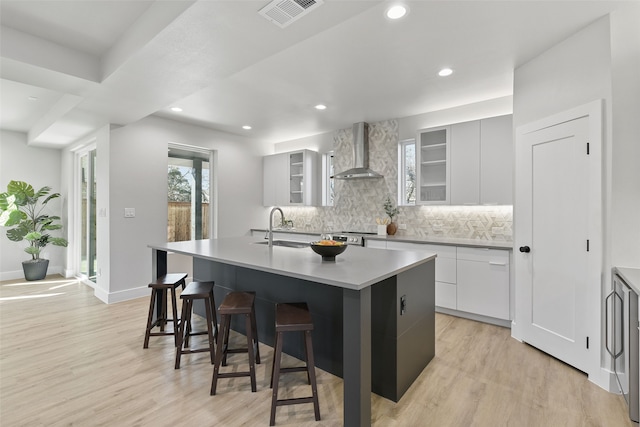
[(120, 296), (19, 274)]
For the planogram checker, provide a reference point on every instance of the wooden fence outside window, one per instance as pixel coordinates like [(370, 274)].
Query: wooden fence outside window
[(179, 224)]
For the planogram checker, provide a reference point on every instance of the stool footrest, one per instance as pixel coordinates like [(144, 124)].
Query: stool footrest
[(294, 401), (197, 350), (294, 369), (234, 374), (160, 334)]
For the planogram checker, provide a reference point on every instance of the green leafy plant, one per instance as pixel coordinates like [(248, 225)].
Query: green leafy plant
[(21, 207), (390, 209)]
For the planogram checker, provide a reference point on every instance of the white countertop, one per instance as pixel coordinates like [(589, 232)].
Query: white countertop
[(453, 241), (631, 277), (436, 240), (356, 268)]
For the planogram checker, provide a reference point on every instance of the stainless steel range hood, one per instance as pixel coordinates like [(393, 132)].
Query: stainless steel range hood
[(360, 168)]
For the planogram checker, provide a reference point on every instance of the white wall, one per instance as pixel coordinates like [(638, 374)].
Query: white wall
[(322, 143), (463, 113), (599, 62), (138, 173), (408, 126), (625, 155), (39, 167)]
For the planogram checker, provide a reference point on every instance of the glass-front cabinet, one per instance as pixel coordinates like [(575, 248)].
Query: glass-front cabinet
[(433, 161), (296, 178)]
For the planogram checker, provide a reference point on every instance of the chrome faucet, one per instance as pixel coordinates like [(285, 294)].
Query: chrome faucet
[(271, 223)]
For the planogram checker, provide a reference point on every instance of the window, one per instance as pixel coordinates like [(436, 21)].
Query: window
[(407, 172), (327, 179), (188, 200)]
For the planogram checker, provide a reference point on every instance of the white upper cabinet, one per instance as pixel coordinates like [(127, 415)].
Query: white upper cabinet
[(289, 179), (275, 186), (465, 163), (432, 160), (496, 160)]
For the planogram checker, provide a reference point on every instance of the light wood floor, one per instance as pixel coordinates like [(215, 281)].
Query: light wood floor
[(68, 359)]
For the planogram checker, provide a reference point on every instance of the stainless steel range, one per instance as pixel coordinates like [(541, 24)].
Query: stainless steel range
[(350, 237)]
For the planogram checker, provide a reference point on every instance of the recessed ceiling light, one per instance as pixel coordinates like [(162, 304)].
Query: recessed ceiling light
[(246, 127), (396, 12), (176, 109), (320, 107), (445, 72)]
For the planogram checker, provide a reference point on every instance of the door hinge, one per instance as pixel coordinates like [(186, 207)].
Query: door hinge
[(587, 343), (587, 148), (587, 245)]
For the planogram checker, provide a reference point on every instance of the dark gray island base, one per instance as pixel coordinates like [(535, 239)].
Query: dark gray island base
[(375, 330)]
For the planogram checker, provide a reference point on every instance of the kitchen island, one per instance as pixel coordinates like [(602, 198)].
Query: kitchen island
[(373, 309)]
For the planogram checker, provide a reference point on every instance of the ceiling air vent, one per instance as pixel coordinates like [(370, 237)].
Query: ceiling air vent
[(284, 12)]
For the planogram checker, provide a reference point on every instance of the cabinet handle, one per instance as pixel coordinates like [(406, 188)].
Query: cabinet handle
[(497, 263), (606, 327), (525, 249), (621, 327)]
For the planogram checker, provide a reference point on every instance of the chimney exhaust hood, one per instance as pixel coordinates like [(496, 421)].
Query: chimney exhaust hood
[(360, 168)]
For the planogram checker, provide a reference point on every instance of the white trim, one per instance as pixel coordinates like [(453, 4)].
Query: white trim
[(402, 163), (120, 296), (326, 177)]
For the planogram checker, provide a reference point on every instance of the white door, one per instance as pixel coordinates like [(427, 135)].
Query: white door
[(552, 220)]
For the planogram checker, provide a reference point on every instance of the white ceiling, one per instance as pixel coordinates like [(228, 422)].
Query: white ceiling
[(93, 62)]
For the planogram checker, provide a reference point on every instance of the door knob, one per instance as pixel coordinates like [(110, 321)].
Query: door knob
[(525, 249)]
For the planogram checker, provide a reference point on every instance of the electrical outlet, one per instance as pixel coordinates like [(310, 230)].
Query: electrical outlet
[(497, 230), (402, 227), (129, 212)]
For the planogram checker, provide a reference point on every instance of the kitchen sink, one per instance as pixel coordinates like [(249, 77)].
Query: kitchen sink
[(286, 243)]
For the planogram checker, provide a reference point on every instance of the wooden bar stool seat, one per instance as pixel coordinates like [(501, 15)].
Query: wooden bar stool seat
[(197, 291), (237, 303), (160, 289), (293, 317)]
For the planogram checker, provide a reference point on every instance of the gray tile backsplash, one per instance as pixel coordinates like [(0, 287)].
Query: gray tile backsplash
[(359, 202)]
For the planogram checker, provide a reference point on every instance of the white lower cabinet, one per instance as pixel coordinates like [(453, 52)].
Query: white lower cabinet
[(445, 270), (483, 282), (472, 280)]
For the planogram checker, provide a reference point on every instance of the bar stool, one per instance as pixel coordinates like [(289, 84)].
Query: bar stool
[(233, 304), (197, 291), (293, 317), (160, 287)]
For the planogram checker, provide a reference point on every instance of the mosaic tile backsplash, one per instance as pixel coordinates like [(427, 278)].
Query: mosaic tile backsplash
[(359, 202)]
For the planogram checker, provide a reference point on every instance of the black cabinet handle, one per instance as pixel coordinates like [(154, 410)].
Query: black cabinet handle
[(525, 249)]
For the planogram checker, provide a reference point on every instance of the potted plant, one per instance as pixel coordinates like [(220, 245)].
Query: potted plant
[(22, 209), (391, 211)]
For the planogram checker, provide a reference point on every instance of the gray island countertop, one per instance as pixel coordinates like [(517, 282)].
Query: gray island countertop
[(356, 268)]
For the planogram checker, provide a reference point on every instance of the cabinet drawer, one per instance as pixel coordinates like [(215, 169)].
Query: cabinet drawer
[(446, 270), (443, 251), (445, 261), (494, 256), (446, 295)]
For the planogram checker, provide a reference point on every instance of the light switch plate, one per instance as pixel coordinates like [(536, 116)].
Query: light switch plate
[(129, 212)]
